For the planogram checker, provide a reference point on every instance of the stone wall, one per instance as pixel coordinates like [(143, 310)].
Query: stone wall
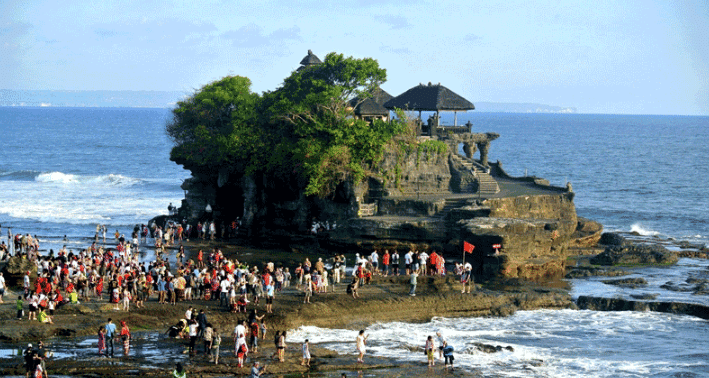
[(409, 173), (552, 206)]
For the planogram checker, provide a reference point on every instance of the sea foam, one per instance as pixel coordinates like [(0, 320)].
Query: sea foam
[(67, 178), (638, 228)]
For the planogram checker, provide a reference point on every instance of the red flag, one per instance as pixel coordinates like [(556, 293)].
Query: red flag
[(467, 247)]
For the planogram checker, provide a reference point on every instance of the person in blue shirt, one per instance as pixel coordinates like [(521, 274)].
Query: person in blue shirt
[(110, 333)]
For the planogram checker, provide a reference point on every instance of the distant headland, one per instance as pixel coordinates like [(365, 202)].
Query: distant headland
[(168, 99)]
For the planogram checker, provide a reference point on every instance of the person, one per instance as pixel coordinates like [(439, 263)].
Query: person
[(179, 372), (19, 304), (361, 343), (270, 292), (429, 351), (2, 287), (441, 343), (467, 277), (276, 337), (413, 281), (253, 336), (193, 335), (42, 356), (352, 288), (306, 354), (101, 341), (43, 317), (282, 347), (30, 357), (448, 355), (208, 338), (256, 371), (110, 333), (125, 336), (216, 342)]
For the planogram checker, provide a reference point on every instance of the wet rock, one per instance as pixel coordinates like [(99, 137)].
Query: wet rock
[(611, 238), (583, 272), (619, 304), (671, 286), (645, 297), (487, 348), (631, 254), (627, 282)]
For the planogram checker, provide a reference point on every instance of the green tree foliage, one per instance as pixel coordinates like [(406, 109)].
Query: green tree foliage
[(216, 125), (304, 127)]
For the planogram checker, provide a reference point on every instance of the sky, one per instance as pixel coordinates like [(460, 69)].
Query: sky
[(613, 57)]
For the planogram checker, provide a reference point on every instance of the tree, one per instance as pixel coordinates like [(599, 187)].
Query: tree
[(216, 125), (311, 115)]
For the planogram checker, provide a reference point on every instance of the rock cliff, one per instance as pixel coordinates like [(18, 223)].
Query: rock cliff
[(422, 196)]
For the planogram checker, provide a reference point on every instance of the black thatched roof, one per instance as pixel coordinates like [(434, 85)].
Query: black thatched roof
[(429, 98), (372, 105), (310, 59)]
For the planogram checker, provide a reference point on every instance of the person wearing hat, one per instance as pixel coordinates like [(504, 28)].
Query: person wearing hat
[(30, 360), (257, 370)]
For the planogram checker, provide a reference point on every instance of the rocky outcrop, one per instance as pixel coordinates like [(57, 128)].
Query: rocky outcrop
[(627, 282), (611, 238), (618, 304), (15, 269), (631, 254), (588, 233), (532, 249)]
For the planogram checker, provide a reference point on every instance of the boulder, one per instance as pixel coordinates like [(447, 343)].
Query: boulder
[(611, 238), (631, 254), (15, 270)]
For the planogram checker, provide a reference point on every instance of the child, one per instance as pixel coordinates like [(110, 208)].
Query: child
[(306, 354), (126, 300), (20, 312), (429, 351), (263, 329)]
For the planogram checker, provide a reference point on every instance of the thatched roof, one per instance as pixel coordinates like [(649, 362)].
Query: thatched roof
[(310, 59), (372, 105), (429, 98)]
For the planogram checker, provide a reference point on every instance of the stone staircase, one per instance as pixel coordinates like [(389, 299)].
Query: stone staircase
[(486, 184)]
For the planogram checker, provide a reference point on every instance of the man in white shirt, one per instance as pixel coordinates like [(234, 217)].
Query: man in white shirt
[(223, 298), (375, 261), (408, 260)]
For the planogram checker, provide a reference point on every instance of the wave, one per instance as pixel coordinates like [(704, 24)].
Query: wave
[(638, 228), (66, 178)]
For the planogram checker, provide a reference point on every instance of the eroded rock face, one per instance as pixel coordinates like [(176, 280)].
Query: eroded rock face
[(15, 270), (533, 249), (631, 254)]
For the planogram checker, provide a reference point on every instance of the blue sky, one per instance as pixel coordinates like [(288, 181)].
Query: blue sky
[(636, 57)]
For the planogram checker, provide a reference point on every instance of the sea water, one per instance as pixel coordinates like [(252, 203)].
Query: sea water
[(64, 170)]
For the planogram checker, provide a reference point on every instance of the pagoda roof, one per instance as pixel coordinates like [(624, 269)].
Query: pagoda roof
[(310, 59), (429, 98), (372, 105)]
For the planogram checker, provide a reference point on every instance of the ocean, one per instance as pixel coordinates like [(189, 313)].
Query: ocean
[(65, 170)]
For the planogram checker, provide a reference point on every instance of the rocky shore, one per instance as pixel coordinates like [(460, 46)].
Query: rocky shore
[(72, 336), (384, 300)]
